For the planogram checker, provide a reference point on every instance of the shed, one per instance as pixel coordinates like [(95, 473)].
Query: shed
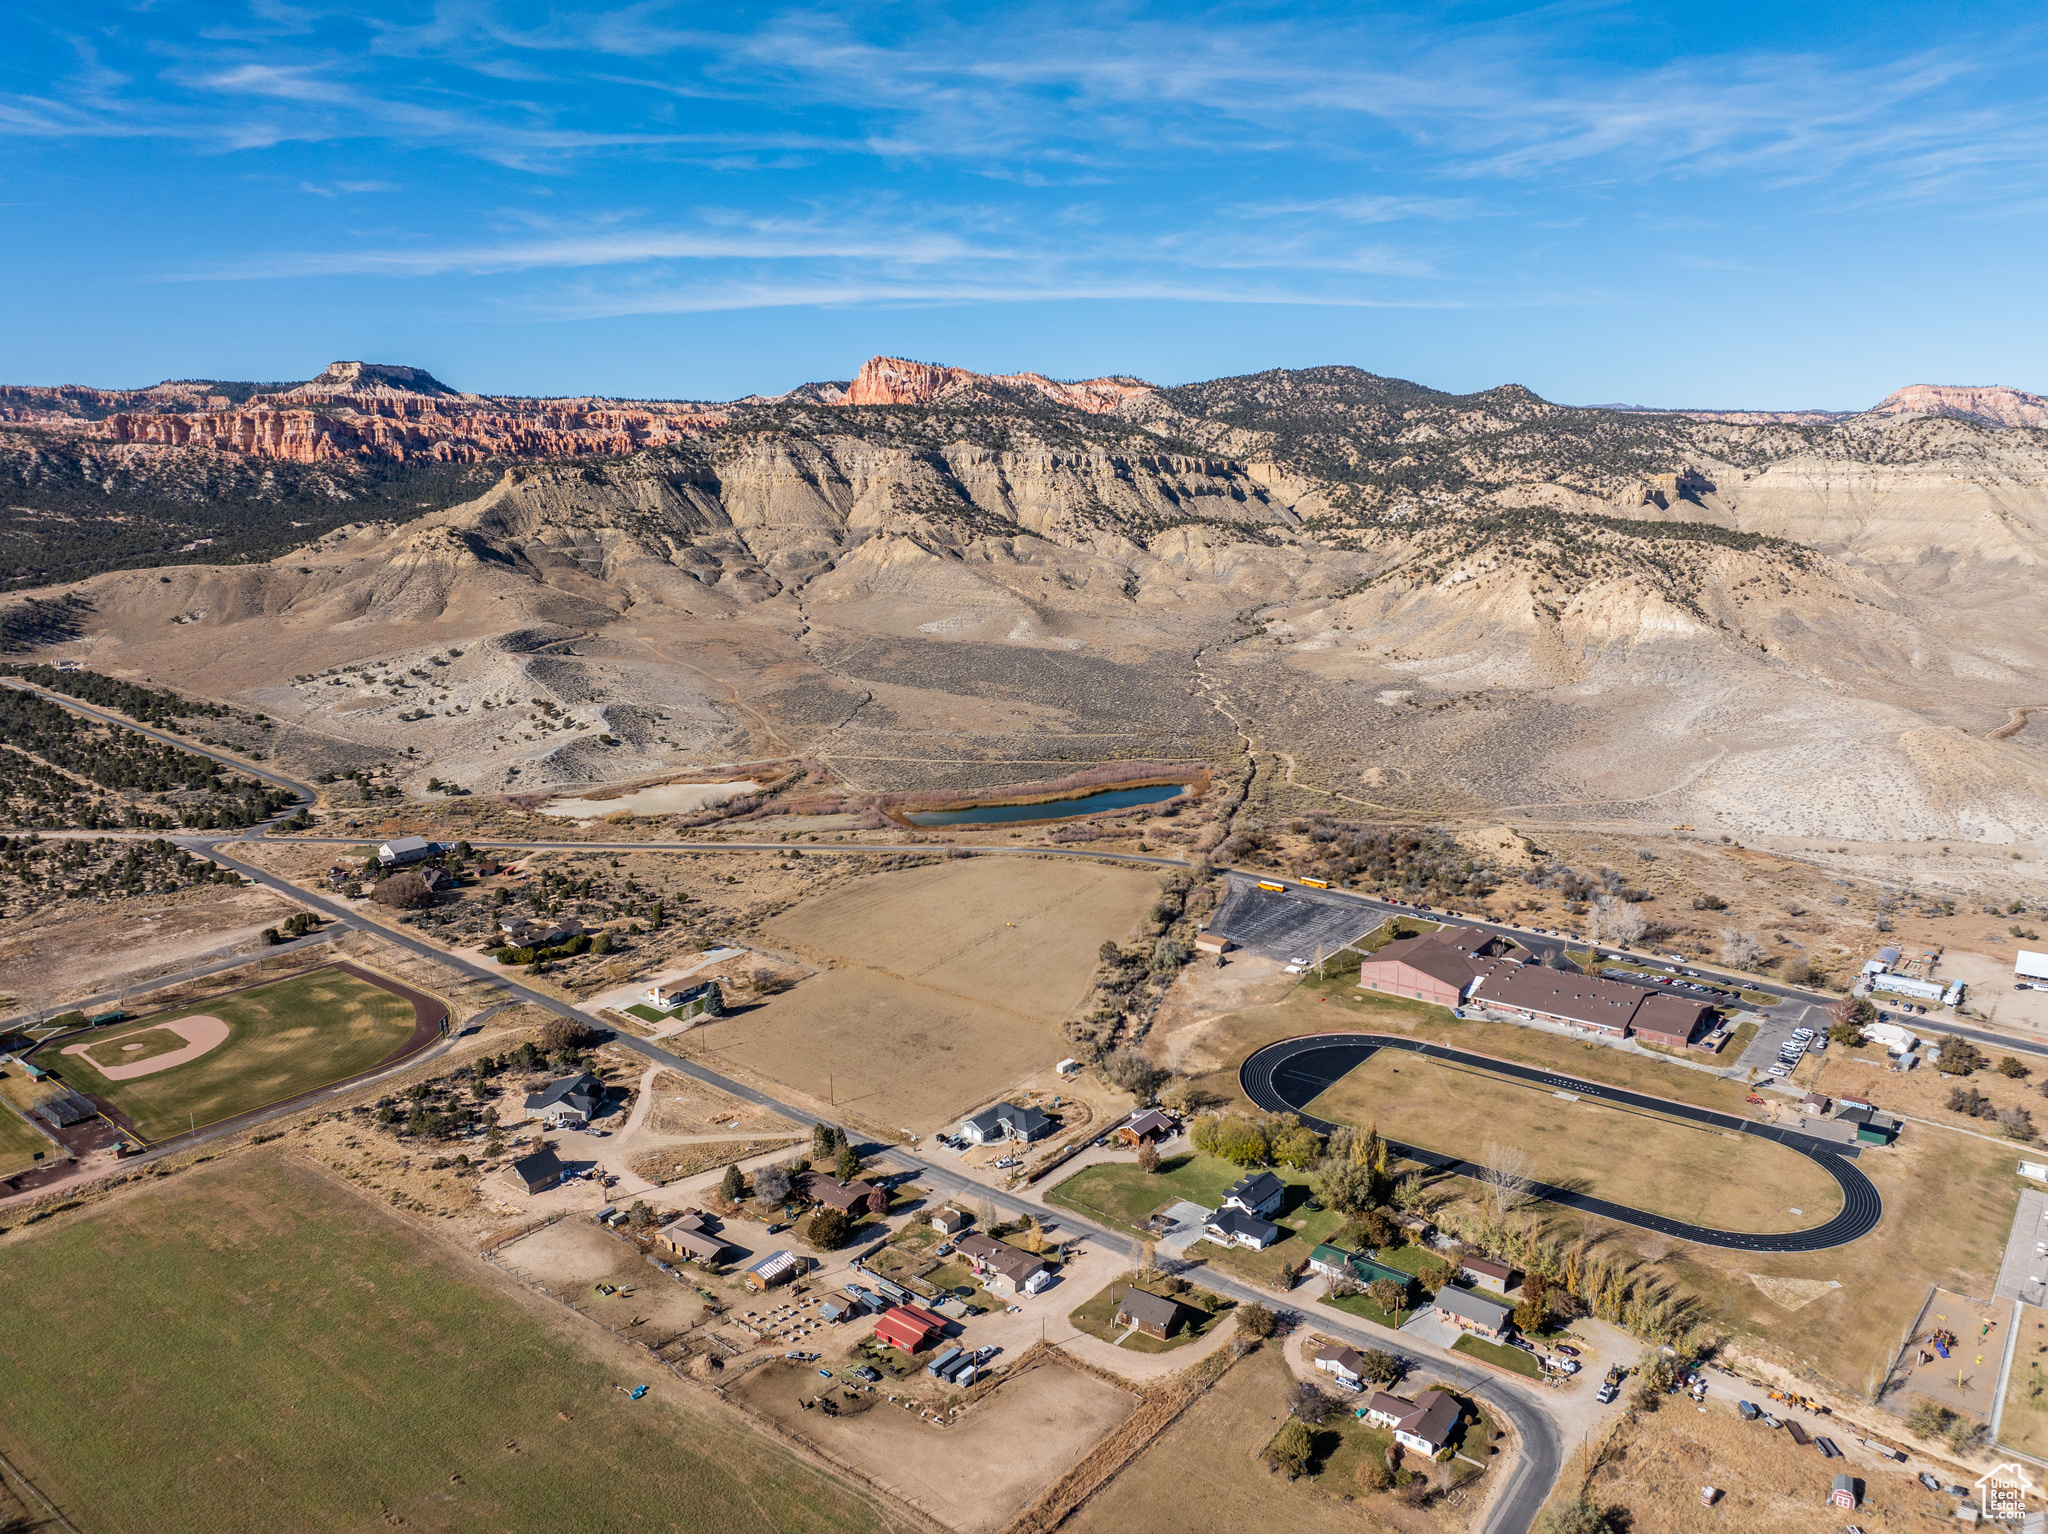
[(536, 1171), (837, 1306), (949, 1221), (1816, 1103), (692, 1243), (775, 1268), (1487, 1274), (1844, 1492)]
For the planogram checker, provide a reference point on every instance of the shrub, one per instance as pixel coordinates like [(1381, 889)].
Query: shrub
[(771, 1184), (1256, 1320), (1128, 1069), (1959, 1057), (1310, 1402), (2012, 1066), (827, 1229), (1379, 1367), (1580, 1517), (1291, 1448), (403, 892), (558, 1034)]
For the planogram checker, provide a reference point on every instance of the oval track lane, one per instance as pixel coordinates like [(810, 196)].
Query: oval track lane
[(1287, 1076)]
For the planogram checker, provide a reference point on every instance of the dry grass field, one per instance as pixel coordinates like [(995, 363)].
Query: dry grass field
[(285, 1038), (1204, 1472), (685, 1106), (1018, 934), (2024, 1423), (1685, 1171), (976, 1475), (254, 1346), (945, 988), (1654, 1467)]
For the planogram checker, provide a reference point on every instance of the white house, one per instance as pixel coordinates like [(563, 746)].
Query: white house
[(1423, 1424), (405, 849), (1261, 1193), (1233, 1227), (1005, 1121)]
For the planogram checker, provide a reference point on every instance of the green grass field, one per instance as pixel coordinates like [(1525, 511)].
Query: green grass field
[(251, 1347), (1121, 1192), (19, 1142), (646, 1014), (284, 1039), (1494, 1353)]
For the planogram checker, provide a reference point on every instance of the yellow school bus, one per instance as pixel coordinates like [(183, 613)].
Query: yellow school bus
[(1317, 884), (1268, 884)]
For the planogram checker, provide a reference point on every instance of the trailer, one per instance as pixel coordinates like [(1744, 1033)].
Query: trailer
[(938, 1367), (1798, 1433)]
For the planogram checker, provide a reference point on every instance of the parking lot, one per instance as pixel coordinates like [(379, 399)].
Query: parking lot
[(1296, 924)]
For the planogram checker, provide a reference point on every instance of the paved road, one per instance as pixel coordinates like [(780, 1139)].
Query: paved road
[(1287, 1076)]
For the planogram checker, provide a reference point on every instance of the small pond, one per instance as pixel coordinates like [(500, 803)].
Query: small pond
[(1054, 809)]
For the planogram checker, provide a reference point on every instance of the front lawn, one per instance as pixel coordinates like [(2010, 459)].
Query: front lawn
[(1362, 1306), (1493, 1353), (645, 1013), (1097, 1317), (1123, 1194)]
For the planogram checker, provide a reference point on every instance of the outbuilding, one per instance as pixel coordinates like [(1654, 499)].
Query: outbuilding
[(775, 1268), (948, 1221), (1843, 1493), (1147, 1124), (536, 1171), (909, 1328), (1487, 1274), (694, 1244)]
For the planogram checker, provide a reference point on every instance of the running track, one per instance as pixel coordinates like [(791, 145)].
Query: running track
[(1285, 1077)]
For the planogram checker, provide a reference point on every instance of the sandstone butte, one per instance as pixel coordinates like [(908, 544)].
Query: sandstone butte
[(381, 410)]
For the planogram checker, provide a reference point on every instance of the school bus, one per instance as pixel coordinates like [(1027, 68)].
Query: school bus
[(1317, 884), (1268, 884)]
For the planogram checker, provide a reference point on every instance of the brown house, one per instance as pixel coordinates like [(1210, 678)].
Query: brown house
[(1146, 1124), (1006, 1269), (1152, 1314), (851, 1199), (692, 1244)]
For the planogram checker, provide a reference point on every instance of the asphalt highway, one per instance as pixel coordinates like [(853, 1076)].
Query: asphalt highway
[(1287, 1076)]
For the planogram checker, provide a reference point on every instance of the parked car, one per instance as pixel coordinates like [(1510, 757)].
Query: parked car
[(1607, 1393), (1780, 1070), (1568, 1350), (866, 1373)]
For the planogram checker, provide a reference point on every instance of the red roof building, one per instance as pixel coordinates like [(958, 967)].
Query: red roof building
[(1438, 966), (908, 1328), (1663, 1018)]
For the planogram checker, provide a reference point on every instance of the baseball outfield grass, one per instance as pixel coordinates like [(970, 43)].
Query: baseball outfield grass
[(283, 1039), (19, 1142), (251, 1346)]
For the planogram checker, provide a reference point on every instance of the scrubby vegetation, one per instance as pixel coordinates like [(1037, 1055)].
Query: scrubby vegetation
[(35, 873)]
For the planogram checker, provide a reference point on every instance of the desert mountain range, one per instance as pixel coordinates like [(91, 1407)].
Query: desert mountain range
[(1415, 604)]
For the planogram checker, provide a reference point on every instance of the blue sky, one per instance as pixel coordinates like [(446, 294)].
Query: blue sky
[(1672, 205)]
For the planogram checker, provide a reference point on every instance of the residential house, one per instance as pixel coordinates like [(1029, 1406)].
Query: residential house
[(1487, 1274), (1146, 1124), (1261, 1193), (1424, 1424), (1233, 1227), (949, 1221), (1004, 1268), (1345, 1365), (1473, 1312), (908, 1327), (1005, 1121), (706, 1249), (775, 1268), (572, 1100), (536, 1171), (704, 999), (1152, 1314), (852, 1199), (406, 849), (1335, 1262), (521, 932)]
